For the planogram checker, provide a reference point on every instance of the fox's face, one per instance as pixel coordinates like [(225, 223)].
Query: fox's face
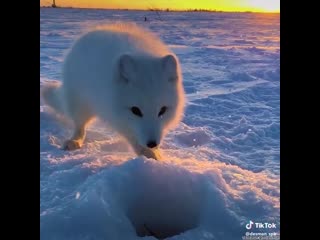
[(150, 98)]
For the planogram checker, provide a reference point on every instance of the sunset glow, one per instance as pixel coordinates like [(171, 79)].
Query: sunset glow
[(265, 5), (220, 5)]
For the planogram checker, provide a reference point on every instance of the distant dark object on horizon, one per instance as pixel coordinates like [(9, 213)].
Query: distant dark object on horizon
[(54, 4), (145, 19)]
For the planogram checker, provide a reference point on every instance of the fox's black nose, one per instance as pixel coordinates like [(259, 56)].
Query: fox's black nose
[(151, 144)]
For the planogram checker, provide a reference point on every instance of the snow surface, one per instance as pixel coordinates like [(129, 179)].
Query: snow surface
[(221, 166)]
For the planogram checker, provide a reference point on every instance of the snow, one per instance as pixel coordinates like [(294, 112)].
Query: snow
[(222, 164)]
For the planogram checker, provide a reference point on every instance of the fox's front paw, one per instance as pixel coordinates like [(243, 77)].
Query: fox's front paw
[(153, 153), (70, 145)]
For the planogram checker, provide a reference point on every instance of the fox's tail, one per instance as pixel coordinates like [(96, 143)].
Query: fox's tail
[(52, 96)]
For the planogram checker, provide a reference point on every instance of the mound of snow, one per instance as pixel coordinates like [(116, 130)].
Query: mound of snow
[(144, 197)]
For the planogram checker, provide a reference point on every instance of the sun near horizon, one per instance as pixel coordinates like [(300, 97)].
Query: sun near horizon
[(218, 5)]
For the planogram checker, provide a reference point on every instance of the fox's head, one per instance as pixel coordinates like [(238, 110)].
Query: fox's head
[(149, 97)]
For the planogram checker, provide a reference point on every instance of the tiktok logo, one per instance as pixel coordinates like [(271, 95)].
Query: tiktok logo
[(249, 225), (260, 225)]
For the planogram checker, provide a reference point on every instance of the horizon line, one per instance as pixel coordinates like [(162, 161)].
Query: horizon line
[(163, 9)]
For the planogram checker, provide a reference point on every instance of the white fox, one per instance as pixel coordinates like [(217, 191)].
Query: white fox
[(126, 76)]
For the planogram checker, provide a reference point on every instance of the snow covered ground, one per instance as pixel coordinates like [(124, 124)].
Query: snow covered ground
[(221, 167)]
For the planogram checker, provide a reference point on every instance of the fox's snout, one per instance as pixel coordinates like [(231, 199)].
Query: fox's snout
[(152, 144)]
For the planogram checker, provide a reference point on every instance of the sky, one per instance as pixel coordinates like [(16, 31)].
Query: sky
[(221, 5)]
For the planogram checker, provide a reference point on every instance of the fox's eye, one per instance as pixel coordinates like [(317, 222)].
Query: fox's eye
[(162, 111), (136, 111)]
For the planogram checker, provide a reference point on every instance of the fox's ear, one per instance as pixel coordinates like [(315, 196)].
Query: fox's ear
[(170, 65), (126, 67)]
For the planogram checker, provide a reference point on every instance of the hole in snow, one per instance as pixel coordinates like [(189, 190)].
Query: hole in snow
[(162, 220), (166, 202)]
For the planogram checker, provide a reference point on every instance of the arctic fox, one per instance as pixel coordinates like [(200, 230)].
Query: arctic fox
[(125, 76)]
